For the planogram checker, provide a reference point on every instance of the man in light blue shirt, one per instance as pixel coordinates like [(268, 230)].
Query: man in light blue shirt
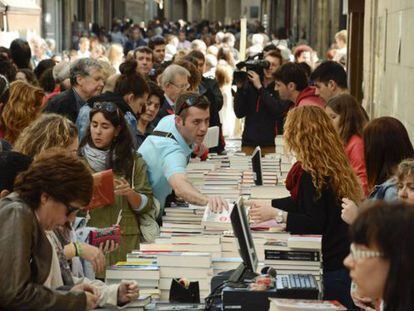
[(168, 150)]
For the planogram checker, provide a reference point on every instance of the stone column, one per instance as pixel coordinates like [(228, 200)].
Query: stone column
[(190, 10)]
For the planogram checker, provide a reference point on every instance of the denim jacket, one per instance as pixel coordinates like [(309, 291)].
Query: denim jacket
[(386, 191)]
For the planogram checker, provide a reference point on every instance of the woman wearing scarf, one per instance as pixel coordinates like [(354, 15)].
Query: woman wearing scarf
[(108, 145), (317, 182)]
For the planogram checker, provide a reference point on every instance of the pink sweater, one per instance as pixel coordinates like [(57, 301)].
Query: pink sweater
[(355, 153)]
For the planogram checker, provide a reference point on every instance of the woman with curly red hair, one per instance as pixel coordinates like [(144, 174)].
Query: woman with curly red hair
[(317, 182), (23, 107)]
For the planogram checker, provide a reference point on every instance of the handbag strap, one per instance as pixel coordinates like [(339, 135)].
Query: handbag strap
[(163, 134)]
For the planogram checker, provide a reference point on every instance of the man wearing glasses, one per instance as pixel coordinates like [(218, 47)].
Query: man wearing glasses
[(167, 151), (173, 81)]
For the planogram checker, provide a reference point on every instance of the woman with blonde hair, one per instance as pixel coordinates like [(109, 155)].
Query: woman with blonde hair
[(317, 182), (48, 131), (23, 107)]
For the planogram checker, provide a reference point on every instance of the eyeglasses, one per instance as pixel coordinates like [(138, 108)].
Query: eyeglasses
[(189, 102), (357, 253), (71, 209), (182, 87)]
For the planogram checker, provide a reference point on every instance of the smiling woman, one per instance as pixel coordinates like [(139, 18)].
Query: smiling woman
[(41, 201)]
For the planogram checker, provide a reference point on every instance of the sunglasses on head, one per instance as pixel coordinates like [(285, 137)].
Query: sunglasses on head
[(110, 107), (189, 102)]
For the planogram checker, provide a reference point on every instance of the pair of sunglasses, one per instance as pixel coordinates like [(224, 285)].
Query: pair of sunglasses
[(189, 102), (106, 106)]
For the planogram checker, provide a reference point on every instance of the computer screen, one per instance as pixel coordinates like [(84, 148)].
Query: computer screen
[(257, 166), (242, 232)]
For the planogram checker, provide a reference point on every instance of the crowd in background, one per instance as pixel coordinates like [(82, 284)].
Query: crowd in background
[(109, 99)]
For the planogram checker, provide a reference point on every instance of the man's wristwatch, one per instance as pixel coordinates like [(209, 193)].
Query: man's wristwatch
[(279, 217)]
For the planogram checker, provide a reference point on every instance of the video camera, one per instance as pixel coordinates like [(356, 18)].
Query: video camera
[(254, 63)]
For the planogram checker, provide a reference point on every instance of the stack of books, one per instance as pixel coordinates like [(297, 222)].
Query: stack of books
[(224, 183), (194, 266), (147, 276), (299, 254), (240, 162), (225, 264), (182, 220), (216, 223)]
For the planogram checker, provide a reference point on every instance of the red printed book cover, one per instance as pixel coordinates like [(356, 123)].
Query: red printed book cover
[(103, 189)]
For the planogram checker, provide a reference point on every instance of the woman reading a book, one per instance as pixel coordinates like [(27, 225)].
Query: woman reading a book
[(317, 182), (108, 145), (56, 185), (349, 118), (382, 255)]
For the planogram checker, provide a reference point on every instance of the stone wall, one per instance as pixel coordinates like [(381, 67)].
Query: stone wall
[(389, 60)]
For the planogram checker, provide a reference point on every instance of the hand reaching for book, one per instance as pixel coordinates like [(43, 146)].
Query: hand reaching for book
[(260, 212), (217, 204), (127, 291)]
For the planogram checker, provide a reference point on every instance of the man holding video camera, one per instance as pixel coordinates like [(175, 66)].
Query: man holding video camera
[(257, 101)]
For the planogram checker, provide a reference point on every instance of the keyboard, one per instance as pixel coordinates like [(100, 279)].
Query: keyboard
[(297, 286)]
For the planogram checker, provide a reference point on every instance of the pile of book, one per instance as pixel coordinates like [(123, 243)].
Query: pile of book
[(169, 264), (194, 266), (299, 254), (223, 182), (142, 270), (216, 223), (182, 220)]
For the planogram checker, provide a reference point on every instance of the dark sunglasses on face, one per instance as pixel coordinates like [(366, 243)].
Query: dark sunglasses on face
[(71, 209)]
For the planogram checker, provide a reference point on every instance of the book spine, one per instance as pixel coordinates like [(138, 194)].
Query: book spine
[(290, 255)]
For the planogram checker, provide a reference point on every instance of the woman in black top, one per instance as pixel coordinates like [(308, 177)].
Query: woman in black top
[(317, 182)]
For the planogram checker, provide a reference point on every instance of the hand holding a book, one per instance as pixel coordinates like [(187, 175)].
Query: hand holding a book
[(217, 204), (92, 294), (349, 210), (108, 247), (127, 291), (122, 187)]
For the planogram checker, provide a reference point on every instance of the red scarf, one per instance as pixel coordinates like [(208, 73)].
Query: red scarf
[(293, 180)]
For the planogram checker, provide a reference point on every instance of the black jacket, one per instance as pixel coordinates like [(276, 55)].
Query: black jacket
[(165, 110), (264, 114), (210, 89), (64, 104), (318, 216)]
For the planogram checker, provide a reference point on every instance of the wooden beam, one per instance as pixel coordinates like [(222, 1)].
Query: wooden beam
[(355, 47)]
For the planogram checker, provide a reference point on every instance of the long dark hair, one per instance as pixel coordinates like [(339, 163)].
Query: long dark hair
[(121, 150), (386, 144), (389, 227), (352, 117)]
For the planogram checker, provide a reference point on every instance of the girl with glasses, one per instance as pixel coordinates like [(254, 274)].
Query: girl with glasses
[(108, 145), (381, 257)]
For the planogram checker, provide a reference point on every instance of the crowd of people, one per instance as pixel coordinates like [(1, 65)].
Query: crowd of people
[(139, 100)]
